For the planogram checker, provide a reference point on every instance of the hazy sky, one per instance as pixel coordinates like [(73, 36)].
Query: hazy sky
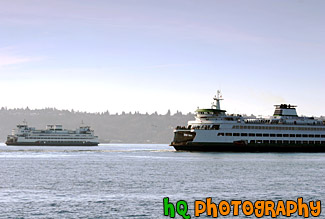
[(145, 55)]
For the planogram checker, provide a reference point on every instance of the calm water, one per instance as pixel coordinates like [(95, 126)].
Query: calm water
[(130, 181)]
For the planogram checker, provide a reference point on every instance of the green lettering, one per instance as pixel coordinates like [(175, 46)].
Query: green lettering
[(169, 208), (181, 207)]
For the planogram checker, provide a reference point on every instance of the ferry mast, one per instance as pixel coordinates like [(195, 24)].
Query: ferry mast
[(217, 99)]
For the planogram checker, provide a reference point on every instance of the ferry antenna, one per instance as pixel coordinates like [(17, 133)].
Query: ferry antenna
[(217, 98)]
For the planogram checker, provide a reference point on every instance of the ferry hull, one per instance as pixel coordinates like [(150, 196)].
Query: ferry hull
[(231, 147), (51, 144)]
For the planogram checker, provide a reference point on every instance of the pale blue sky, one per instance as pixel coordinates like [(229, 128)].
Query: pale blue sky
[(144, 55)]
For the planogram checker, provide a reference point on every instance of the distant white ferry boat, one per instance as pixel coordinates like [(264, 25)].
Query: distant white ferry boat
[(285, 131), (53, 135)]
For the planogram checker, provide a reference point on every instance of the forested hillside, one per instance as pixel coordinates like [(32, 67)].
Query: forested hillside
[(115, 128)]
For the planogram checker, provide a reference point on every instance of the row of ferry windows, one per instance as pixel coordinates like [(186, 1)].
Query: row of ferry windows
[(286, 142), (272, 135), (53, 138), (56, 135), (278, 128)]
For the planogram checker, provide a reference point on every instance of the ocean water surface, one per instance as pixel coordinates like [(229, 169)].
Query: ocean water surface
[(131, 180)]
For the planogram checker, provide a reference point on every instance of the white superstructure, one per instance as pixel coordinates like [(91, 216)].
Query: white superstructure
[(52, 135), (214, 130)]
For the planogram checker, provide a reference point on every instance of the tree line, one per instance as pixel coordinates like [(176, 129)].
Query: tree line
[(130, 127)]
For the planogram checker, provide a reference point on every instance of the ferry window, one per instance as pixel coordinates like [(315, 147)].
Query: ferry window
[(243, 134), (311, 136), (272, 142), (323, 136), (285, 142), (285, 135), (298, 135), (272, 135), (317, 142), (292, 135), (252, 141), (311, 142), (259, 141), (292, 142), (215, 127), (304, 136), (221, 134), (266, 141), (298, 142), (305, 142), (323, 142), (266, 135), (278, 135), (279, 142), (236, 134), (258, 135), (228, 134), (252, 134)]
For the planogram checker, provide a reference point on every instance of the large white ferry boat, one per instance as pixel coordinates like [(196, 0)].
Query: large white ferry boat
[(53, 135), (285, 131)]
